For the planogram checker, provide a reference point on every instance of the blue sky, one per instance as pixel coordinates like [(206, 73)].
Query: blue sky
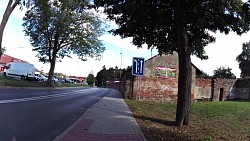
[(221, 53)]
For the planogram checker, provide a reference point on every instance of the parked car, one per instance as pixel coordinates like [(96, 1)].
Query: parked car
[(75, 80), (40, 77), (68, 81), (55, 80), (23, 71)]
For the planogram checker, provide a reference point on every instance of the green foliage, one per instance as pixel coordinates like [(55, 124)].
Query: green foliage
[(244, 60), (107, 74), (91, 79), (102, 76), (153, 22), (61, 28), (223, 72), (61, 75)]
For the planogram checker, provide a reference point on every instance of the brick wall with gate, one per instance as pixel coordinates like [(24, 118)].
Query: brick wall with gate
[(151, 86), (221, 89), (216, 89)]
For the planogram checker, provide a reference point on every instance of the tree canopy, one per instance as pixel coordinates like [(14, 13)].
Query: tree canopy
[(176, 25), (107, 74), (152, 22), (244, 60), (60, 28), (224, 72), (91, 79)]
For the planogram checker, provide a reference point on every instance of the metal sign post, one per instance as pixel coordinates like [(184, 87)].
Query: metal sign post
[(137, 87), (138, 70)]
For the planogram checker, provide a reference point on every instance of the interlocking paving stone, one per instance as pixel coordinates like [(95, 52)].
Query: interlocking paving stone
[(108, 120)]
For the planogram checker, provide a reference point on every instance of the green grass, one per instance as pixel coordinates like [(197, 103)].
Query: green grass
[(228, 120), (5, 81)]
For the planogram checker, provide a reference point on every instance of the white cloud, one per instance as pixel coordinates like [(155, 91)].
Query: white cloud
[(125, 44), (223, 53)]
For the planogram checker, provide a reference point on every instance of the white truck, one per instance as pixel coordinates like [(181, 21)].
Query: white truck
[(23, 71)]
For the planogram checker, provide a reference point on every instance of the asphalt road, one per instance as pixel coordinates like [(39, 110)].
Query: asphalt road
[(42, 114)]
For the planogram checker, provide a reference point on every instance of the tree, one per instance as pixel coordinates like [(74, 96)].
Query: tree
[(91, 79), (59, 28), (61, 75), (107, 74), (10, 7), (223, 72), (175, 25), (244, 60), (102, 76)]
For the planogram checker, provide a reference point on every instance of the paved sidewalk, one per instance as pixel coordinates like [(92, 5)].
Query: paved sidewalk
[(110, 119)]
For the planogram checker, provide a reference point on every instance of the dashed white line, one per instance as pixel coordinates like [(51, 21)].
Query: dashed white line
[(45, 97)]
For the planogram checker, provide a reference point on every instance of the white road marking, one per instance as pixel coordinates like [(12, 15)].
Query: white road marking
[(46, 97)]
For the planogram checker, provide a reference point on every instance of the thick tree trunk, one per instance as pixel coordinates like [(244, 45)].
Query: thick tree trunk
[(51, 70), (185, 75), (10, 7)]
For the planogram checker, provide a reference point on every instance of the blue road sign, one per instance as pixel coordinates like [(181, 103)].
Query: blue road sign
[(138, 66)]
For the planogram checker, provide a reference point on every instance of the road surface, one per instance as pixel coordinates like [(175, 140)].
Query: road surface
[(42, 114)]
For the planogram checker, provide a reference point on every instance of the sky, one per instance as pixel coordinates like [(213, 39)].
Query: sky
[(119, 52)]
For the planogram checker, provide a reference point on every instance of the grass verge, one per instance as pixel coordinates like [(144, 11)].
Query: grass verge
[(5, 81), (210, 121)]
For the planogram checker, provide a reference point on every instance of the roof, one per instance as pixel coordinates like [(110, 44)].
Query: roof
[(6, 59)]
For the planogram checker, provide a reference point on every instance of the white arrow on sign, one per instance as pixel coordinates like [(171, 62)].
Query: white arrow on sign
[(141, 67), (136, 65)]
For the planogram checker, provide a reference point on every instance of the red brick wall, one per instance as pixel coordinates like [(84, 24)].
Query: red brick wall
[(157, 89), (203, 82), (203, 89)]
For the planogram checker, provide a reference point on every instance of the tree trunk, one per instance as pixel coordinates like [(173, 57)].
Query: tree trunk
[(10, 7), (185, 75), (51, 70)]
